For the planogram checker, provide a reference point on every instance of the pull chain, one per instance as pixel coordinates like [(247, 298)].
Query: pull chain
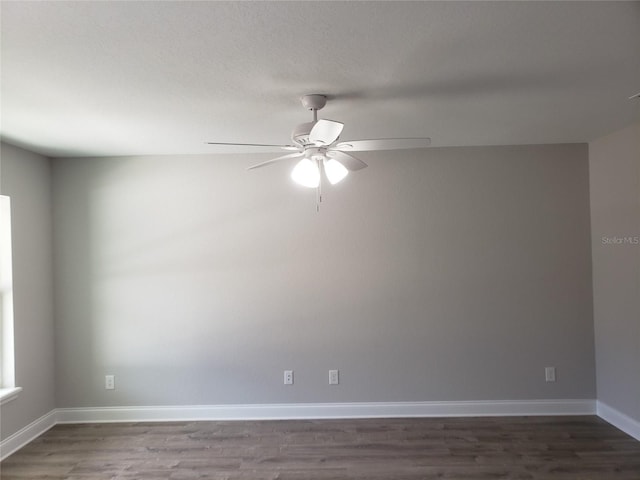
[(319, 189)]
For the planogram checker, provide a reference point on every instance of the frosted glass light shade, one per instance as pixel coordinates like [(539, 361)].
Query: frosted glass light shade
[(306, 173), (334, 170)]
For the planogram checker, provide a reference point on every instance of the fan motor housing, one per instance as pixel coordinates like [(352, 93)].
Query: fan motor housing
[(300, 134)]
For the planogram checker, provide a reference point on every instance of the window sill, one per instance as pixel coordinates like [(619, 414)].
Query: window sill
[(8, 394)]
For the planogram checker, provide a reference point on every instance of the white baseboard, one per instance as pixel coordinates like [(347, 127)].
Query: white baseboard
[(619, 420), (27, 434), (327, 410), (294, 411)]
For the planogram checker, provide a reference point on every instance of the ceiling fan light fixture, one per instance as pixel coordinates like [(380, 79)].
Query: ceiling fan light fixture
[(306, 173), (334, 170), (317, 142)]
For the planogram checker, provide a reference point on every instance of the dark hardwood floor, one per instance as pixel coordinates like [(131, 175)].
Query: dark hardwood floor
[(576, 448)]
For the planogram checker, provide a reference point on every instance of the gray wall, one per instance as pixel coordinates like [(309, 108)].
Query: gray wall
[(26, 179), (614, 163), (446, 274)]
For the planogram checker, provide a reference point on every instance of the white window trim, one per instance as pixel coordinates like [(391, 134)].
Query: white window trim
[(8, 389), (8, 394)]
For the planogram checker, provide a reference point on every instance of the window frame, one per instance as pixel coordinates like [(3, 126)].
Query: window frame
[(8, 389)]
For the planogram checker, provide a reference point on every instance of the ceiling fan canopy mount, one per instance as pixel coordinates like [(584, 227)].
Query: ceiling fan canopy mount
[(313, 101)]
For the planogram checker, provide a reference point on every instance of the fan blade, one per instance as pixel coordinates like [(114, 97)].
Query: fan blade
[(277, 159), (263, 145), (350, 162), (383, 144), (325, 132)]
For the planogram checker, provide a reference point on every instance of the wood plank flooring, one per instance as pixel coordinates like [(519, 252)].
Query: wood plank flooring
[(549, 448)]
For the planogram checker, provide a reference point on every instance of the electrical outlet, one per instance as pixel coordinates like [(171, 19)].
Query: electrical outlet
[(288, 377), (550, 374), (109, 382), (334, 379)]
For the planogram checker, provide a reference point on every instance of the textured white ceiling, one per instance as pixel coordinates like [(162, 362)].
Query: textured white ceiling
[(118, 78)]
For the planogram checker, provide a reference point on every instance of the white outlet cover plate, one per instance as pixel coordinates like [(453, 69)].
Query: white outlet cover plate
[(550, 374)]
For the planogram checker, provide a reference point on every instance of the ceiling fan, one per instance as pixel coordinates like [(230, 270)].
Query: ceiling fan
[(316, 144)]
